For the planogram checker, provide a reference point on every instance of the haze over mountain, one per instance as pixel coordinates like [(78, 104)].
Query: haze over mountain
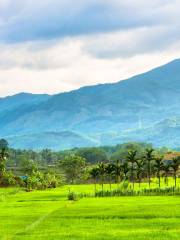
[(142, 108)]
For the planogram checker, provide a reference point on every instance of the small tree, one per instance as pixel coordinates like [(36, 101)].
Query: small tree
[(3, 156), (29, 167), (73, 167)]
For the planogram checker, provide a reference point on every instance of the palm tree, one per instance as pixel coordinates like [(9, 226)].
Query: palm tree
[(117, 172), (139, 170), (131, 157), (125, 169), (102, 172), (158, 165), (148, 158), (175, 166), (94, 172), (110, 170), (166, 169)]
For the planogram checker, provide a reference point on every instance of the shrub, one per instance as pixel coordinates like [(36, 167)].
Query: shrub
[(7, 179), (72, 196)]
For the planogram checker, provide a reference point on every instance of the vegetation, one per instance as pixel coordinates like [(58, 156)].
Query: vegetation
[(130, 162)]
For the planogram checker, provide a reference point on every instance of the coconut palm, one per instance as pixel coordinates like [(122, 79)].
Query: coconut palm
[(131, 157), (110, 171), (94, 172), (166, 170), (175, 166), (139, 170), (158, 166), (148, 158), (125, 169), (117, 172), (102, 172)]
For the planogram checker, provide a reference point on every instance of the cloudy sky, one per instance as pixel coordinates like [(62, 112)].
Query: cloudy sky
[(58, 45)]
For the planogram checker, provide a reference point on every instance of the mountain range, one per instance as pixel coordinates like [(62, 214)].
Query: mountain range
[(145, 107)]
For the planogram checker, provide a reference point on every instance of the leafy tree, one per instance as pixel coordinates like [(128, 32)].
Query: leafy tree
[(29, 167), (93, 155), (3, 156), (73, 167), (47, 156), (121, 151)]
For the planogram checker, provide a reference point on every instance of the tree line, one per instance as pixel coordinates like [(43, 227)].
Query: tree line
[(129, 162), (135, 169)]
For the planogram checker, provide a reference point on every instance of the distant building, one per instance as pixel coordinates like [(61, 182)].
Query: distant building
[(171, 155)]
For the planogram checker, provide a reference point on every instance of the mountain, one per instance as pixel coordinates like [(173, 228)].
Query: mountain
[(133, 109), (20, 100), (52, 140)]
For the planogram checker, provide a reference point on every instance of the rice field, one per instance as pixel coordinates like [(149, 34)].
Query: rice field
[(49, 215)]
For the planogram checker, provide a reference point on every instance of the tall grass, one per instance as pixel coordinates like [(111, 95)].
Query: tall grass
[(171, 191)]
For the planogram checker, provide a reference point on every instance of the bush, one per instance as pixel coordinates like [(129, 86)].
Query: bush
[(8, 179), (40, 181), (72, 196)]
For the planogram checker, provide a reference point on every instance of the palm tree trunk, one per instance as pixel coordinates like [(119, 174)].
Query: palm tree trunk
[(102, 183), (132, 173), (110, 182), (166, 179), (95, 185), (159, 180), (139, 183), (149, 174), (175, 178)]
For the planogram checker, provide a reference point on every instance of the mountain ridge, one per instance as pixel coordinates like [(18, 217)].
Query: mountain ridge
[(122, 108)]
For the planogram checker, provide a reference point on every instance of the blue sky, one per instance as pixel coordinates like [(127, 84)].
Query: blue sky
[(53, 46)]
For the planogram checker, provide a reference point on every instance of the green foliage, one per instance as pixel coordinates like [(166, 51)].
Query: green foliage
[(72, 196), (73, 166), (8, 179), (39, 180), (143, 192), (3, 156), (92, 155)]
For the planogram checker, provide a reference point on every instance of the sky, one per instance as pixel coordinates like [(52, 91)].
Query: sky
[(53, 46)]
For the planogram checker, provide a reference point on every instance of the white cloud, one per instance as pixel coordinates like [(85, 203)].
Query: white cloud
[(53, 46), (83, 70)]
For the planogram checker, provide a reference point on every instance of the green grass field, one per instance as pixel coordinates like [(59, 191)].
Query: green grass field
[(48, 215)]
